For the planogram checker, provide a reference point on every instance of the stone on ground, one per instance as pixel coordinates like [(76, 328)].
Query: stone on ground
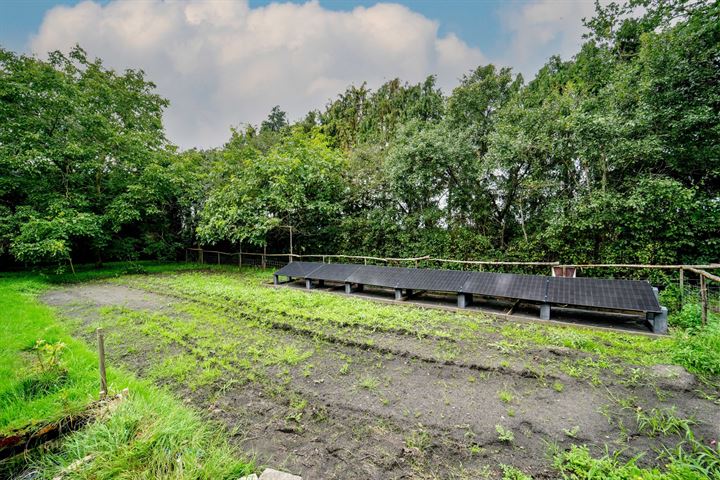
[(270, 474)]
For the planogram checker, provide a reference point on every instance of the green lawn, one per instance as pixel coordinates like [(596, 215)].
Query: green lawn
[(150, 435)]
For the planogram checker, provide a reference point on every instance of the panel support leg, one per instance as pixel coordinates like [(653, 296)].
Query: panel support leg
[(348, 288), (464, 300), (360, 287), (308, 283), (398, 294), (545, 311), (321, 283), (660, 321), (276, 281), (408, 292)]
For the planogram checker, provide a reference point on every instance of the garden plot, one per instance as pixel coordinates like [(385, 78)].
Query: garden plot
[(331, 387)]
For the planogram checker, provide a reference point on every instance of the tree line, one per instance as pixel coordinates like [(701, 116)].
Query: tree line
[(611, 156)]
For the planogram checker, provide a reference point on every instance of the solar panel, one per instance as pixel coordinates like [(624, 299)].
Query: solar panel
[(377, 276), (508, 285), (433, 280), (298, 269), (630, 295), (603, 293), (333, 272)]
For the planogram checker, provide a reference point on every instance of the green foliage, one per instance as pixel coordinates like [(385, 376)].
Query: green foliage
[(698, 349), (296, 184), (504, 434), (690, 461)]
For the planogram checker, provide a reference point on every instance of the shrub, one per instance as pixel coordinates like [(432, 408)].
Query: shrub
[(690, 316)]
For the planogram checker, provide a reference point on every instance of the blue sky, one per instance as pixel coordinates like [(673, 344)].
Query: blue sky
[(227, 62)]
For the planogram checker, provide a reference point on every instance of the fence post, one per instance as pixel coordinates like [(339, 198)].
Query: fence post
[(703, 297), (263, 256), (101, 355), (240, 258), (218, 254), (682, 287)]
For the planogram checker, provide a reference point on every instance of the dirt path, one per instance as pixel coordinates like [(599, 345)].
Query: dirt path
[(387, 405)]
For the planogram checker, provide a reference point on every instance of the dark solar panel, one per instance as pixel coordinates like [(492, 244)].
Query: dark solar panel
[(298, 269), (333, 272), (603, 293), (522, 287), (377, 276), (434, 280), (585, 292)]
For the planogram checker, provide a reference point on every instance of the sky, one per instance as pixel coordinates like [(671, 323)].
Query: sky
[(224, 63)]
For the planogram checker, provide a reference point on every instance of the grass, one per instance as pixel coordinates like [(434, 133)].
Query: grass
[(689, 461), (662, 422), (46, 375)]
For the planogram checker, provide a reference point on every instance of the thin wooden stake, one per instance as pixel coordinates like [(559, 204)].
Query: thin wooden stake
[(682, 286), (703, 297), (101, 355)]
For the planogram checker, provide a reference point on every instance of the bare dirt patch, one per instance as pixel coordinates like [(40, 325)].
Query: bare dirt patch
[(376, 404)]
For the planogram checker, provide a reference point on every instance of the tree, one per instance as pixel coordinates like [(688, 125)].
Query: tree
[(74, 137)]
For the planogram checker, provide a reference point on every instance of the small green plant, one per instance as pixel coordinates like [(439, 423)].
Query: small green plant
[(511, 412), (504, 435), (419, 438), (512, 473), (48, 355), (475, 449), (662, 422), (345, 369), (369, 383), (572, 432), (558, 386), (505, 396)]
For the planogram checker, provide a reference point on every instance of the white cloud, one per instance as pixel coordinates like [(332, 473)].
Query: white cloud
[(222, 63), (543, 28)]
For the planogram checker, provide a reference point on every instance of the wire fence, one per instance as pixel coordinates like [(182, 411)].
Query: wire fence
[(680, 284)]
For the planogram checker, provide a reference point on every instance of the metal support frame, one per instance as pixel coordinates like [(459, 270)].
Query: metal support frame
[(276, 280), (545, 311), (398, 294), (308, 283), (348, 288)]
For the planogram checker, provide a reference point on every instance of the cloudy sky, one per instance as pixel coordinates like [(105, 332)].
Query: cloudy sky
[(228, 62)]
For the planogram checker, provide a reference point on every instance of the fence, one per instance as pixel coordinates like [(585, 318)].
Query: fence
[(681, 283)]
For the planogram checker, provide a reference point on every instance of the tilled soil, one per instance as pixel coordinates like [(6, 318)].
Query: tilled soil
[(399, 406)]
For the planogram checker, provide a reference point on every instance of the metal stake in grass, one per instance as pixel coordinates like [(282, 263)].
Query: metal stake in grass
[(101, 355)]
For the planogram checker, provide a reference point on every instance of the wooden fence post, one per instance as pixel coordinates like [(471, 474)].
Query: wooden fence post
[(263, 262), (202, 257), (703, 297), (101, 355), (240, 258), (682, 287), (218, 254)]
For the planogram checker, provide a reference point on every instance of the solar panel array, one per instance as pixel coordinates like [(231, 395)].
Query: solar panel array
[(585, 292)]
